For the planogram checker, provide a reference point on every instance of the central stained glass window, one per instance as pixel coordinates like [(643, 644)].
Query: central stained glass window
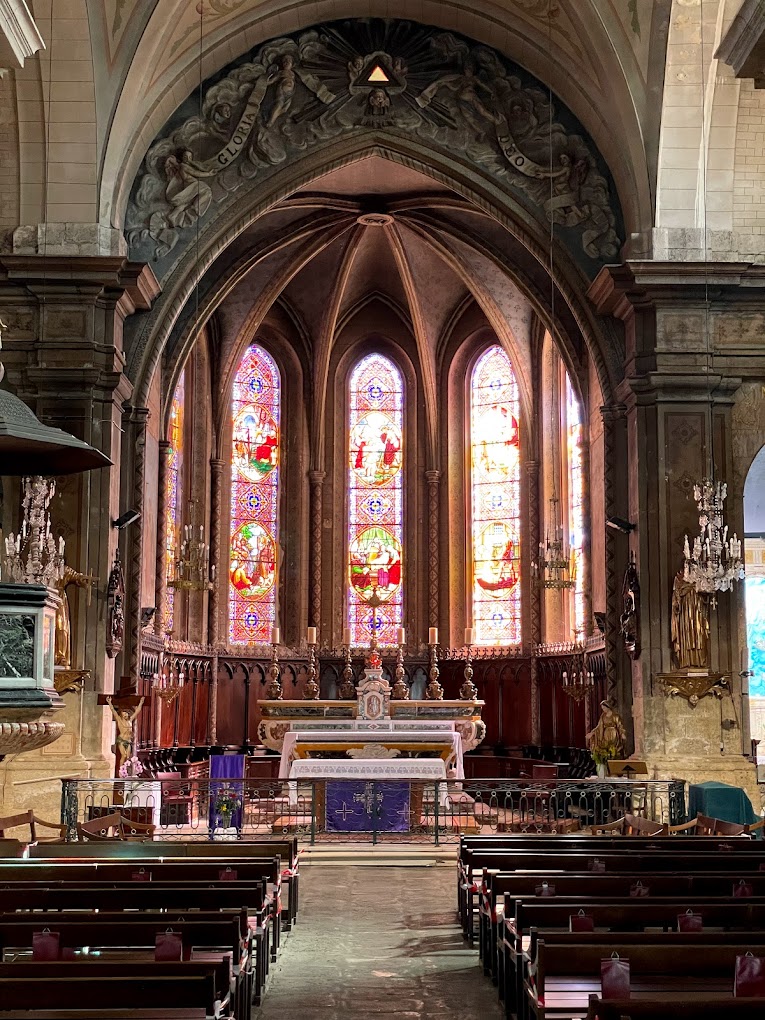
[(495, 500), (375, 499), (255, 411)]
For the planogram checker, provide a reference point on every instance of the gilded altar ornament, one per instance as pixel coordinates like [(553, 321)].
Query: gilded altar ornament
[(347, 689), (609, 736), (434, 691), (690, 624), (693, 686), (123, 720), (468, 690)]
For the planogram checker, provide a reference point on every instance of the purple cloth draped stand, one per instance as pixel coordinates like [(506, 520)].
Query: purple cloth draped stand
[(226, 776)]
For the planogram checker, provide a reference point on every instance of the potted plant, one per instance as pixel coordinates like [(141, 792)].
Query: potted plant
[(602, 754), (226, 803)]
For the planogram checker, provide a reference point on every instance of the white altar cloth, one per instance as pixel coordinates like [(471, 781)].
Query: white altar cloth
[(441, 735), (383, 770)]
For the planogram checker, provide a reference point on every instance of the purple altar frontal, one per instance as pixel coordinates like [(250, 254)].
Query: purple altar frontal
[(366, 806)]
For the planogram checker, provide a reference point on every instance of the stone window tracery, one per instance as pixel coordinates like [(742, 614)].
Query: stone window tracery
[(375, 499), (255, 470), (495, 482)]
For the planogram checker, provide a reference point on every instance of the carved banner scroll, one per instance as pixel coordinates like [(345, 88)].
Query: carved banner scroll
[(295, 94)]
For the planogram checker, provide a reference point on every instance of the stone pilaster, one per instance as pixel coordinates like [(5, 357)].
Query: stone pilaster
[(316, 481), (685, 356), (132, 551), (433, 478), (534, 592), (63, 353), (160, 613), (217, 566)]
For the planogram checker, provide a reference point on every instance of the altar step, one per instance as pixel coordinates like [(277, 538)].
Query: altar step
[(357, 854)]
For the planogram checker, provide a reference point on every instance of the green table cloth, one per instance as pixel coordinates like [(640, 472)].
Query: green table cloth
[(719, 800)]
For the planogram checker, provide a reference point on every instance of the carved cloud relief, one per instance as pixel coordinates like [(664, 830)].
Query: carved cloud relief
[(296, 94)]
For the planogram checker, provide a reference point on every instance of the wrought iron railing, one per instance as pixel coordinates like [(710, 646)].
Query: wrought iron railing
[(374, 810)]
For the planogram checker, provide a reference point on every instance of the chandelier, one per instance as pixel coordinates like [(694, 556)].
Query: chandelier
[(714, 562), (33, 556), (554, 568), (192, 567), (578, 679), (169, 683)]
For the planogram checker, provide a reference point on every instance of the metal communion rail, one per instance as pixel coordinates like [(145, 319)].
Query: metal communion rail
[(365, 810)]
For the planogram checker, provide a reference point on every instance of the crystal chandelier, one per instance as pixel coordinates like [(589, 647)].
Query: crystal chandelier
[(578, 679), (192, 567), (33, 556), (554, 566), (714, 562)]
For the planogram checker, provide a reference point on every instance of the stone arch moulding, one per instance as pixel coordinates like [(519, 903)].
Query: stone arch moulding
[(222, 242), (295, 94)]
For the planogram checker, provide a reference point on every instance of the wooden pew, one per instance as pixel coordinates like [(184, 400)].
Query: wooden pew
[(286, 848), (714, 1007), (567, 974), (667, 943), (229, 997), (72, 992)]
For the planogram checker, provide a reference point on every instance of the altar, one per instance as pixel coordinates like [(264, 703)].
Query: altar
[(373, 771)]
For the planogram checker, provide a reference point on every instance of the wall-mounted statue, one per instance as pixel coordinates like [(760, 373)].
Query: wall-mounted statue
[(690, 625), (609, 734), (63, 645), (630, 618), (115, 608), (296, 93)]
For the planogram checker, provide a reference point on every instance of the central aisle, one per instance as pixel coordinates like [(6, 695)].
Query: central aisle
[(378, 941)]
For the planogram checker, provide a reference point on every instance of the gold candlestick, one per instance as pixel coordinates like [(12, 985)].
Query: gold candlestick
[(434, 691), (347, 689), (311, 692), (400, 687), (274, 685), (468, 691)]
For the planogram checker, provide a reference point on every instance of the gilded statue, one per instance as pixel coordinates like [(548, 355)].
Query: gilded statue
[(63, 644), (609, 733), (124, 719), (690, 625)]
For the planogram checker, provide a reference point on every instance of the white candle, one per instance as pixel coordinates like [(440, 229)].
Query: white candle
[(433, 636), (275, 635), (401, 636), (312, 635), (347, 637), (468, 635)]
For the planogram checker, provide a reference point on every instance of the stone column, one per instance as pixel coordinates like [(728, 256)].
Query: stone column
[(684, 360), (160, 613), (218, 565), (433, 478), (316, 481), (617, 553)]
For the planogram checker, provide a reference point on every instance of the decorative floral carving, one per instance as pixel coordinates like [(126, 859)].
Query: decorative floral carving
[(297, 93)]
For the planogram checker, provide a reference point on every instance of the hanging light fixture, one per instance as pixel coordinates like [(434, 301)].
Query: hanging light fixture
[(554, 565), (169, 683), (192, 567), (578, 678), (713, 562)]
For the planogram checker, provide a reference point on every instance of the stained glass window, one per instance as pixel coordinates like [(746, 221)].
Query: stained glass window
[(496, 492), (575, 502), (255, 413), (173, 493), (375, 497)]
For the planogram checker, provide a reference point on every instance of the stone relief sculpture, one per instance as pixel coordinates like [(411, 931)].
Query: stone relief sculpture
[(297, 93)]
